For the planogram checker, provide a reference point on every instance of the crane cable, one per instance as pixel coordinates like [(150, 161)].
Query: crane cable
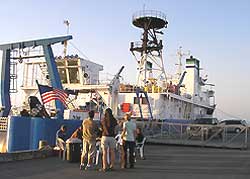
[(227, 114), (75, 47)]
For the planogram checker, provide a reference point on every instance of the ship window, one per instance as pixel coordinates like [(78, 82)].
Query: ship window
[(60, 63), (136, 100), (63, 76), (73, 75), (180, 110), (72, 63), (144, 100)]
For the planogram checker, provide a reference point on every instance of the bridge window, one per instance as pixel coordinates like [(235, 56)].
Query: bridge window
[(144, 100), (136, 100), (60, 63), (73, 75), (63, 76), (72, 62)]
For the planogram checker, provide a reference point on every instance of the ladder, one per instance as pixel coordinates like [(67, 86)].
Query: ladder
[(13, 77), (138, 92)]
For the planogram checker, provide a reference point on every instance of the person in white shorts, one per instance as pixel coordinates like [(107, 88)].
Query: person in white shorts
[(108, 141)]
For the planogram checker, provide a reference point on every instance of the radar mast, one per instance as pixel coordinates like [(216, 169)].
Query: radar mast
[(148, 51)]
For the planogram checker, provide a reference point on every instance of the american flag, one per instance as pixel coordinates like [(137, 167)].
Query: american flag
[(49, 93)]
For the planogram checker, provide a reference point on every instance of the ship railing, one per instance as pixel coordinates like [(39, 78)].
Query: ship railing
[(137, 44), (221, 136), (3, 124), (149, 13)]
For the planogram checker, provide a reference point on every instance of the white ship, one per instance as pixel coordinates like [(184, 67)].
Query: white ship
[(156, 94)]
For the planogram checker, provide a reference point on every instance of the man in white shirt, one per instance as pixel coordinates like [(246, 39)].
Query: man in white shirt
[(128, 136)]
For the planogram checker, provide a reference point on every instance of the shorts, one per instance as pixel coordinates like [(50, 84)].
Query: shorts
[(108, 142)]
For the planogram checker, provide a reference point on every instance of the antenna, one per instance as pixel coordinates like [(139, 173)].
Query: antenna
[(180, 55), (66, 22)]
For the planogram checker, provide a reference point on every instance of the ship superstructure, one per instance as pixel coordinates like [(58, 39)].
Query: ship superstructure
[(155, 96)]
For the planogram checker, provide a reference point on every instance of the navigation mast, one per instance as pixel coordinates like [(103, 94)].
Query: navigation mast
[(148, 51)]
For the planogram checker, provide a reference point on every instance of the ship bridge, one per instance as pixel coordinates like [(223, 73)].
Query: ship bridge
[(73, 71)]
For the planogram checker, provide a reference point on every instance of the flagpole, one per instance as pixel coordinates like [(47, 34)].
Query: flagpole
[(39, 91), (44, 112)]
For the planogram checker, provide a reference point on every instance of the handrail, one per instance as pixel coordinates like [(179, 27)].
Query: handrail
[(149, 13), (199, 134), (3, 124)]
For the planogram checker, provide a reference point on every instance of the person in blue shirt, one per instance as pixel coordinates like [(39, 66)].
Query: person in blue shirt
[(61, 137)]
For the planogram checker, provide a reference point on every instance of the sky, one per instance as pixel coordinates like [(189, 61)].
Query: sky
[(215, 32)]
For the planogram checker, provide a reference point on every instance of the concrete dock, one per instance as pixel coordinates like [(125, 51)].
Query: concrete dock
[(162, 161)]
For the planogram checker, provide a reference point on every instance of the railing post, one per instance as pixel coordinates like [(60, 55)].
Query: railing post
[(181, 130), (202, 135), (169, 129), (224, 135), (246, 128), (162, 122)]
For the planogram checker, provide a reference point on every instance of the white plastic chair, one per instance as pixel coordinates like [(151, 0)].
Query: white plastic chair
[(118, 139), (140, 147), (98, 153)]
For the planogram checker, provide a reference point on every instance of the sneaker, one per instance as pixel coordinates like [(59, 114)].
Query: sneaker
[(81, 167), (124, 166), (89, 167), (103, 170), (131, 166), (111, 169)]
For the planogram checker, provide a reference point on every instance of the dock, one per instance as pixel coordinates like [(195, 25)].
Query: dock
[(162, 161)]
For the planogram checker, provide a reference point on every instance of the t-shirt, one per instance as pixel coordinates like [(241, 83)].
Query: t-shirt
[(77, 134), (139, 138), (89, 129), (130, 128), (60, 134), (110, 129)]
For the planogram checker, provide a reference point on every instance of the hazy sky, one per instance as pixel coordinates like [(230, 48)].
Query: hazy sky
[(215, 31)]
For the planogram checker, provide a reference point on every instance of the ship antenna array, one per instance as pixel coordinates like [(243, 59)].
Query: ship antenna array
[(148, 51), (67, 23), (180, 55)]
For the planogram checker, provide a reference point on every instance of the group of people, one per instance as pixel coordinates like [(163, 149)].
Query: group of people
[(89, 132)]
